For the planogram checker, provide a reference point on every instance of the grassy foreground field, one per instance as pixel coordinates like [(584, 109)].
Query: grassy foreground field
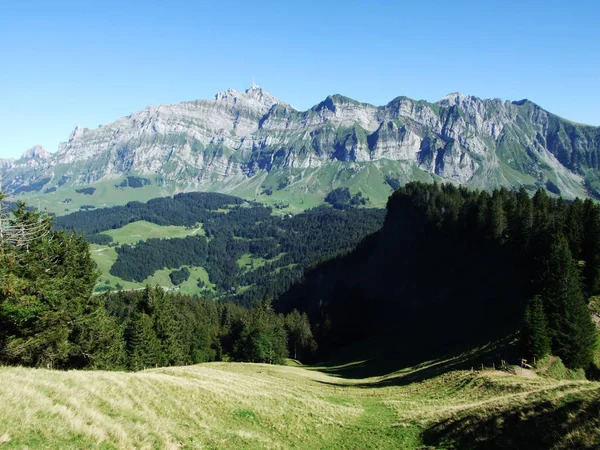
[(236, 405)]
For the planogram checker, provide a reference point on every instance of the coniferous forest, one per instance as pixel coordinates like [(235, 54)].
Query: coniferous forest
[(49, 317), (449, 267), (290, 244), (453, 267)]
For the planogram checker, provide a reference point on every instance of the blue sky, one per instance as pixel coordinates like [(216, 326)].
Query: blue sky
[(65, 63)]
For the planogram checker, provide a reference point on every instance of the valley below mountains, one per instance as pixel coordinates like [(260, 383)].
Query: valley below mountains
[(255, 146)]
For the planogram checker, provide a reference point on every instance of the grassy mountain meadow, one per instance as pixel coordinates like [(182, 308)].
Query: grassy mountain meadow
[(237, 405), (290, 191)]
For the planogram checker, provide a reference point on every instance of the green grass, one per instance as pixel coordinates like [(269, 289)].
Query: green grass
[(105, 257), (307, 187), (106, 194), (140, 231), (249, 262), (160, 277), (553, 367), (237, 405), (191, 285)]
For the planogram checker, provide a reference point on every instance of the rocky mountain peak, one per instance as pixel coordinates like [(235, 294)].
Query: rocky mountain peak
[(254, 97), (35, 152), (229, 139), (77, 132), (6, 163), (454, 98)]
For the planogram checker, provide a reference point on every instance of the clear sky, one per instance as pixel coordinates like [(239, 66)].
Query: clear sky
[(65, 63)]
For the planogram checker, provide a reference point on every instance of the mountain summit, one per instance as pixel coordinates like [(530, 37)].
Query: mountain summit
[(250, 138)]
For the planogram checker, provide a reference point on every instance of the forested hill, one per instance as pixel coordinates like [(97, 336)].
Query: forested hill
[(183, 209), (454, 267), (249, 253)]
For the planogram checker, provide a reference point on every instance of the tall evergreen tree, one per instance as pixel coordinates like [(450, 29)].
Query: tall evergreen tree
[(574, 228), (570, 326), (591, 247), (143, 347), (300, 337), (534, 336), (97, 339), (522, 222), (46, 281), (168, 331), (263, 338), (497, 221)]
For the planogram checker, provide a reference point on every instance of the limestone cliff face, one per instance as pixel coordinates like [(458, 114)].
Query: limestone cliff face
[(237, 135)]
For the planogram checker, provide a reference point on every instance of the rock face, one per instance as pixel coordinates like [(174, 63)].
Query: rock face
[(239, 135), (27, 169)]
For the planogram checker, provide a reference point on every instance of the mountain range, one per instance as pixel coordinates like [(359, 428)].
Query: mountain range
[(251, 144)]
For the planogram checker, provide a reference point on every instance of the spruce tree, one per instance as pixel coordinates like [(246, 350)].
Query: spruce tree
[(46, 282), (263, 338), (574, 228), (570, 325), (591, 247), (497, 221), (143, 347), (522, 222), (534, 336), (300, 337), (168, 331)]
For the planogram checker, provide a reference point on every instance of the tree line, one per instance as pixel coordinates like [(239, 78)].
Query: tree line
[(184, 209), (289, 244), (459, 267), (449, 266), (49, 317), (165, 329)]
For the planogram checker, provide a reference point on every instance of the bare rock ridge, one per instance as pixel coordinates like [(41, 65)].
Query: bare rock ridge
[(239, 135)]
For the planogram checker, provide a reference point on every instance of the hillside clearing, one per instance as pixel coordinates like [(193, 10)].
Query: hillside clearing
[(237, 405)]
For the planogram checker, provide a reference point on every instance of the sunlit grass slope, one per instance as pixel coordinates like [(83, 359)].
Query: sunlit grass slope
[(142, 230), (235, 405), (105, 256)]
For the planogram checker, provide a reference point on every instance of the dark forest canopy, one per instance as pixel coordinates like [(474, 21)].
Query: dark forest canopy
[(450, 266), (281, 248), (289, 245), (182, 209), (454, 266), (165, 329)]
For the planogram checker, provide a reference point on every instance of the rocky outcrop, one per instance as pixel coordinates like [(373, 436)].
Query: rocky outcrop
[(238, 135)]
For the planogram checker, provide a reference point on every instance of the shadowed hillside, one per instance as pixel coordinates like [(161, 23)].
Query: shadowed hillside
[(454, 269)]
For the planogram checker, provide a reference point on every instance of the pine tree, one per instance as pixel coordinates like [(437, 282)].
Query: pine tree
[(143, 347), (98, 340), (46, 280), (591, 247), (300, 337), (534, 336), (497, 221), (168, 331), (574, 228), (263, 338), (570, 326), (522, 222)]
